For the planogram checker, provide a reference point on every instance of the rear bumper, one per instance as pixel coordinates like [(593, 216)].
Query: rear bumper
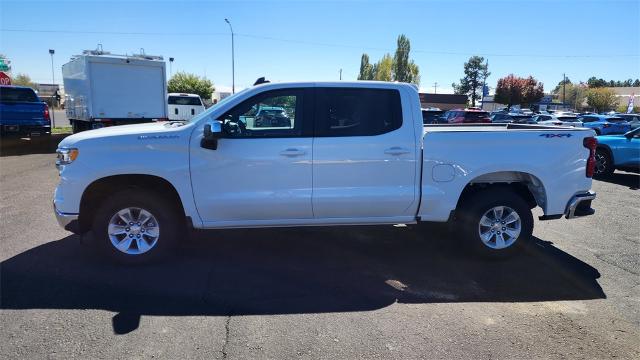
[(24, 130), (580, 205)]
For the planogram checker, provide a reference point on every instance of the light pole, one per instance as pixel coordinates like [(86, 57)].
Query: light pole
[(340, 74), (170, 67), (53, 81), (233, 70)]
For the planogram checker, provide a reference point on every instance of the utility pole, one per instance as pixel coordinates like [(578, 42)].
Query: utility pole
[(564, 85), (170, 67), (435, 87), (340, 74), (233, 62), (53, 81)]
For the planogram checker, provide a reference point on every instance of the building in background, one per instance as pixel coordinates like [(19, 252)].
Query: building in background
[(219, 95), (48, 92), (624, 93), (443, 101)]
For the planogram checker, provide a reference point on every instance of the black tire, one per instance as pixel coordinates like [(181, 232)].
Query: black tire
[(604, 164), (169, 220), (472, 211)]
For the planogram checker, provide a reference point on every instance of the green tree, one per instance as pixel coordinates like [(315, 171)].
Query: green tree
[(384, 68), (636, 83), (602, 99), (475, 72), (574, 94), (404, 69), (23, 80), (366, 69), (398, 68), (594, 82), (183, 82)]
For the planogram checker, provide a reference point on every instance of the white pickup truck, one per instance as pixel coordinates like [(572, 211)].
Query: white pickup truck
[(350, 153)]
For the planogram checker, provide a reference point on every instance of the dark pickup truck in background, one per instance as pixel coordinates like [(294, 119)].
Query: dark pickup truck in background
[(22, 114)]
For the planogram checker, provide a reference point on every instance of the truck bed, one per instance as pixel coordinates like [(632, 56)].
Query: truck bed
[(455, 156)]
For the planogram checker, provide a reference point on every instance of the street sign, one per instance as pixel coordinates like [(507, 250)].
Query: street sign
[(4, 79), (4, 64)]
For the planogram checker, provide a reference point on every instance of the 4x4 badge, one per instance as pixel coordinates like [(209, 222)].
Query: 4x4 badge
[(548, 136)]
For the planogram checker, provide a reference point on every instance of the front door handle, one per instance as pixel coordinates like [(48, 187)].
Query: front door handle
[(292, 152), (396, 150)]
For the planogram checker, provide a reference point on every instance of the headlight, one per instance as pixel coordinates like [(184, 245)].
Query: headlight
[(66, 156)]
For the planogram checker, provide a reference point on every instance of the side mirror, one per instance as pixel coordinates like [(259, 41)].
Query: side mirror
[(212, 132)]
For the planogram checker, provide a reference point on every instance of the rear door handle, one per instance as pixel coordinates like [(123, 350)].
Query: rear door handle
[(292, 152), (396, 150)]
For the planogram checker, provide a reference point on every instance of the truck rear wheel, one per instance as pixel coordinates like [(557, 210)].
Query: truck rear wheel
[(496, 222), (136, 226)]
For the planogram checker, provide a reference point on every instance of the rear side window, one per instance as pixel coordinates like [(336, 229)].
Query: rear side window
[(588, 119), (615, 119), (357, 112), (185, 100), (8, 94)]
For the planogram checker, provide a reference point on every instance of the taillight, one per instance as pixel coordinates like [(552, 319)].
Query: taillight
[(45, 113), (591, 143)]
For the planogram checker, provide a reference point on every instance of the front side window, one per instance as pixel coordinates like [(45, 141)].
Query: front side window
[(357, 112), (275, 113)]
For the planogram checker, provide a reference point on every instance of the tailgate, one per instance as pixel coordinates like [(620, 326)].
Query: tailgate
[(17, 113)]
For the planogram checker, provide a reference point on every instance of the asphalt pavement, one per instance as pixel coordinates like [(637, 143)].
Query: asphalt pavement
[(317, 293)]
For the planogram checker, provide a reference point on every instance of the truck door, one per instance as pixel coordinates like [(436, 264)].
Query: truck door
[(259, 173), (364, 157)]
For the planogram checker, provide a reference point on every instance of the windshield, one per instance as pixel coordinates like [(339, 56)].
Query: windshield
[(215, 106), (185, 100)]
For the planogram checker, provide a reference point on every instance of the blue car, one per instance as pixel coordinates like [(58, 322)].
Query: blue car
[(618, 152), (605, 124)]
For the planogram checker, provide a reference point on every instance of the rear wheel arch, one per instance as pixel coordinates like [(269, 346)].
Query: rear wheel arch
[(101, 189), (523, 184)]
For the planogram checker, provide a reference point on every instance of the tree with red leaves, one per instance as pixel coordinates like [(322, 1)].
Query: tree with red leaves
[(513, 90)]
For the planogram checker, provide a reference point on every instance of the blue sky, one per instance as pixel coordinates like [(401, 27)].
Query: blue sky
[(313, 40)]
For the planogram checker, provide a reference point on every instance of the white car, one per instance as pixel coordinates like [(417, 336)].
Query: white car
[(558, 120), (184, 106), (352, 153)]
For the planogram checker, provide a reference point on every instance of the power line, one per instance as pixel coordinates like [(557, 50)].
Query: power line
[(305, 42)]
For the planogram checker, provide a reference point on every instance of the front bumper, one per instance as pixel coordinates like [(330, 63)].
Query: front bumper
[(580, 205), (68, 222)]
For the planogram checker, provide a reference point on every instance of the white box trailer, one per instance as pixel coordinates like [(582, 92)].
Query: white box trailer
[(104, 89)]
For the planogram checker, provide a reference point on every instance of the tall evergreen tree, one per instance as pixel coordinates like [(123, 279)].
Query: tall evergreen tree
[(475, 72), (366, 69)]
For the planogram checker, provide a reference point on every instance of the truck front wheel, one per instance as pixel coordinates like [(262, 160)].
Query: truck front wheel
[(135, 226), (496, 222)]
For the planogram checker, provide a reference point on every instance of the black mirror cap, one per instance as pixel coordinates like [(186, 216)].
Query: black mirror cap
[(209, 139)]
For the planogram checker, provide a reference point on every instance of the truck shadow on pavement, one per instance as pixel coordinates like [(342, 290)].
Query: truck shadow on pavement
[(630, 180), (25, 146), (290, 271)]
